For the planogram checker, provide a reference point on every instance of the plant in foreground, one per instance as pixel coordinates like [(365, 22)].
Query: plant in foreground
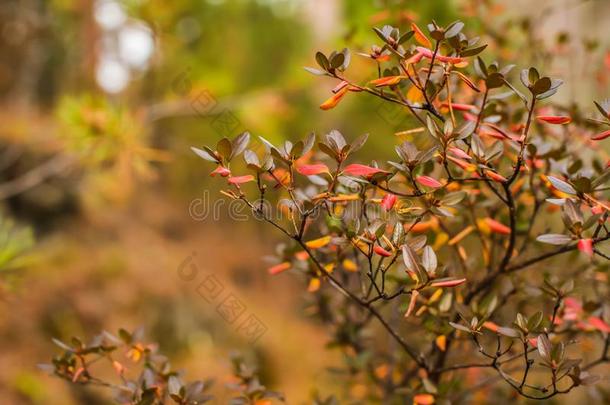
[(145, 377), (443, 250), (452, 232)]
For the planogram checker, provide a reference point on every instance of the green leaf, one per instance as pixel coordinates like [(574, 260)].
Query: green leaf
[(239, 144), (204, 154), (337, 61), (322, 60), (473, 51), (534, 322), (601, 109), (561, 185), (479, 67), (224, 148), (533, 75), (405, 37), (542, 85), (494, 80), (510, 332), (554, 239), (454, 29), (460, 327), (544, 347), (380, 34), (314, 71), (429, 260)]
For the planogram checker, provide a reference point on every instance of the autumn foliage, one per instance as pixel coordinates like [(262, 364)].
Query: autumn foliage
[(475, 251)]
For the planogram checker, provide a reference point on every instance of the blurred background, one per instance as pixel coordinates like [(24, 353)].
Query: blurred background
[(103, 203)]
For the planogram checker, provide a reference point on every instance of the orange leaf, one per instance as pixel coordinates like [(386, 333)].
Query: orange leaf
[(494, 176), (415, 95), (309, 170), (420, 37), (241, 179), (381, 251), (387, 81), (423, 399), (497, 227), (279, 268), (334, 100), (441, 342), (491, 326)]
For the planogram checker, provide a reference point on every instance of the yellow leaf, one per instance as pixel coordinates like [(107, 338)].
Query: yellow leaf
[(414, 95), (344, 197), (457, 238), (314, 285), (318, 243), (441, 239), (329, 267), (434, 297), (349, 265)]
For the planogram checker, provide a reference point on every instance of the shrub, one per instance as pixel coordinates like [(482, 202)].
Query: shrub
[(439, 264)]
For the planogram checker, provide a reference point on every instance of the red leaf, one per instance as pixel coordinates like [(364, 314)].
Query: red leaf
[(415, 58), (309, 170), (388, 201), (448, 283), (222, 171), (470, 117), (586, 246), (428, 54), (361, 170), (381, 251), (600, 136), (458, 106), (599, 324), (412, 302), (555, 119), (340, 86), (459, 162), (459, 153), (241, 179), (497, 227), (428, 181)]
